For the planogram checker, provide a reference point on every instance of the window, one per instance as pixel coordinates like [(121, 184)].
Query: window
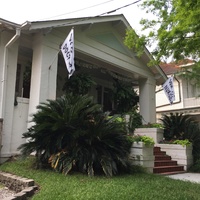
[(104, 98), (23, 80)]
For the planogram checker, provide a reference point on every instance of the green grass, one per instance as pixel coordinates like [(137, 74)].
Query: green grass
[(139, 186)]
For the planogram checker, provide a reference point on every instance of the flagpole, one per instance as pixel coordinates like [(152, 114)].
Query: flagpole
[(54, 59)]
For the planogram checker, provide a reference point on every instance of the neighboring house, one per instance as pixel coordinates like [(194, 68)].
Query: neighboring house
[(32, 68), (187, 94)]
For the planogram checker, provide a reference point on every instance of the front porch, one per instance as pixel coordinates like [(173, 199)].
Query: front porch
[(99, 51)]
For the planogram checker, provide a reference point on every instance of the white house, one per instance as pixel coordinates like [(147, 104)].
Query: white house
[(32, 68), (187, 94)]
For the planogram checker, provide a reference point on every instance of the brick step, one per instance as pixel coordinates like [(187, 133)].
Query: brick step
[(159, 153), (164, 169), (156, 149), (164, 165), (162, 157), (158, 163)]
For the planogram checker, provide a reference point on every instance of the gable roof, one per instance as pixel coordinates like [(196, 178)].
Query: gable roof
[(119, 21), (115, 19)]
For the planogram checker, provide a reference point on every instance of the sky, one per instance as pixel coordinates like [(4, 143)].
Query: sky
[(19, 11)]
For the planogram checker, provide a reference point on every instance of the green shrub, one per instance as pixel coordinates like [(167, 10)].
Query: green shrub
[(180, 127), (196, 167), (79, 84), (151, 125), (185, 142), (72, 133), (124, 96), (135, 120), (143, 138), (176, 126)]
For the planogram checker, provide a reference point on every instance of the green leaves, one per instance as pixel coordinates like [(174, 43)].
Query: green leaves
[(185, 142), (79, 84), (143, 138), (72, 133), (132, 41), (175, 28), (177, 125), (125, 97)]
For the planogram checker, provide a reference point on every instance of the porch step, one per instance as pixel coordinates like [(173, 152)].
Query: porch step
[(167, 169), (161, 153), (162, 157), (164, 165), (158, 163), (156, 149)]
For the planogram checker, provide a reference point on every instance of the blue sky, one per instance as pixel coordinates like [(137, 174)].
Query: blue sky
[(27, 10)]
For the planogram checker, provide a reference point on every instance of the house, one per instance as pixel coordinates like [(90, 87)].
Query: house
[(32, 68), (187, 100)]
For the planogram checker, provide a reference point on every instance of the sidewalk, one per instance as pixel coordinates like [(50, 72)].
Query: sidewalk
[(193, 177)]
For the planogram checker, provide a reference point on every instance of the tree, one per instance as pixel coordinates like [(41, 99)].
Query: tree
[(79, 84), (124, 96), (175, 29)]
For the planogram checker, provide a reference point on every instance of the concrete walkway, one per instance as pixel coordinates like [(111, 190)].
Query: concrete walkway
[(193, 177)]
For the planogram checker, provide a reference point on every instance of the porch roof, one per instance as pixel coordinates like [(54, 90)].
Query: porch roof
[(118, 21)]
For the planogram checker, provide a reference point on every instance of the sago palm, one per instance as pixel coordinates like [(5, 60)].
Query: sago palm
[(72, 133), (56, 123), (176, 125), (102, 147)]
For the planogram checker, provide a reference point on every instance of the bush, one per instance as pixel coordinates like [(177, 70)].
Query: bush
[(185, 142), (196, 167), (181, 127), (72, 133), (176, 126), (102, 147), (79, 84), (142, 138), (151, 125), (124, 96), (135, 120)]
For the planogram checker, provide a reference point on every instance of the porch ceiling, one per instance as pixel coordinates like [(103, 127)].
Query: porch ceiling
[(109, 68)]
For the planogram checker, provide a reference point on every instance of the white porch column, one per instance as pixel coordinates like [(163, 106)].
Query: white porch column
[(9, 63), (147, 100), (44, 72)]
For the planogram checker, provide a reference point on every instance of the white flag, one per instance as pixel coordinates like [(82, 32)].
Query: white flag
[(168, 87), (67, 49)]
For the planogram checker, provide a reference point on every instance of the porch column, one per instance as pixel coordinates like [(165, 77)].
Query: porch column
[(147, 100), (9, 62), (44, 71)]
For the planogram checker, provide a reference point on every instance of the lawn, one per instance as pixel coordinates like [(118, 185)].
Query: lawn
[(139, 186)]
